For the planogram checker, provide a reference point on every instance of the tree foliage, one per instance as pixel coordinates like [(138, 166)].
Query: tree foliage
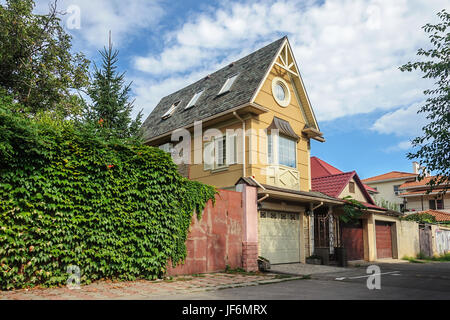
[(36, 64), (420, 217), (353, 210), (68, 197), (434, 145), (111, 106)]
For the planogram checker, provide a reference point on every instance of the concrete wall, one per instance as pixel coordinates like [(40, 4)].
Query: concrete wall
[(216, 240), (408, 234)]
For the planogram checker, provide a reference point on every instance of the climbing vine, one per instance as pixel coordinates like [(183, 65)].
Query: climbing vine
[(116, 210), (353, 210)]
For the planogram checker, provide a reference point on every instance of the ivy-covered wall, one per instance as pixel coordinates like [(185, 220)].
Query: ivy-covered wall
[(115, 210)]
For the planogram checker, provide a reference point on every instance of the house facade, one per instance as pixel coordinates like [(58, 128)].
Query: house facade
[(417, 197), (248, 127), (388, 187)]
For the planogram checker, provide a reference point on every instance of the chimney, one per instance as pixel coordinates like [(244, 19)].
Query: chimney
[(416, 167)]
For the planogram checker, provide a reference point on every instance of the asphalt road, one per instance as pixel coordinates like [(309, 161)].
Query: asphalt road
[(405, 281)]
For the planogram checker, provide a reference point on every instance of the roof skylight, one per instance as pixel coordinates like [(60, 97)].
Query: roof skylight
[(227, 86), (194, 99), (171, 110)]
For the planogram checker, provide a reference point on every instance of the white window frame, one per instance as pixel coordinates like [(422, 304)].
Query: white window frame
[(276, 155), (212, 147), (287, 93), (228, 84), (195, 99), (171, 110)]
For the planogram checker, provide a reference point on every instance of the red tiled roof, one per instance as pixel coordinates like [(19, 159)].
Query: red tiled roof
[(372, 206), (390, 175), (332, 185), (320, 168), (421, 183), (370, 188), (439, 215)]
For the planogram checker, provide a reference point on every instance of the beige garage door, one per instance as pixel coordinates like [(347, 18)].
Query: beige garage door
[(279, 236)]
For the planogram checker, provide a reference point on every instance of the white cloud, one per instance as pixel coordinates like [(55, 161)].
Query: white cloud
[(402, 122), (401, 146), (348, 51), (98, 17)]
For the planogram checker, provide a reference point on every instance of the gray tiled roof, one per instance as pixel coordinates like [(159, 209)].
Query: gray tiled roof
[(251, 70)]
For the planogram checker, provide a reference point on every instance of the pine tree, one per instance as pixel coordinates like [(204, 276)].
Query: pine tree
[(111, 106)]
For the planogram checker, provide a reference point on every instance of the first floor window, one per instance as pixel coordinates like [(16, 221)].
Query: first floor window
[(286, 151), (436, 204), (220, 152)]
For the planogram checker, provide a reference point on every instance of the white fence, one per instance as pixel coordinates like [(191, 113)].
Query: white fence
[(442, 241)]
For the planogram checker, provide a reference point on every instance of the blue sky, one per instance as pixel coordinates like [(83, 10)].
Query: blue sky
[(348, 54)]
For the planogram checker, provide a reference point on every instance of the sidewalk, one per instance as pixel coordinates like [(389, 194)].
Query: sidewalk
[(142, 289)]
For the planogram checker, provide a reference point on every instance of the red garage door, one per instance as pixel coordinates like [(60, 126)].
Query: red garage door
[(352, 239), (384, 239)]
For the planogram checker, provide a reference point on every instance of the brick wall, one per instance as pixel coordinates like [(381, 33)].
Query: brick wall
[(216, 240)]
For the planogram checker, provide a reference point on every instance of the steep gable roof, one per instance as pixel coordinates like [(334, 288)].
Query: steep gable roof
[(251, 69), (333, 185), (320, 168)]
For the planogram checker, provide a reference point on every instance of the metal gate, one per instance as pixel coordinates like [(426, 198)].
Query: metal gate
[(384, 239), (442, 241), (425, 240), (279, 236), (353, 241)]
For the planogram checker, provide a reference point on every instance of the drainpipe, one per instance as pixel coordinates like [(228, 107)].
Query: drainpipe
[(243, 142), (317, 207), (263, 198)]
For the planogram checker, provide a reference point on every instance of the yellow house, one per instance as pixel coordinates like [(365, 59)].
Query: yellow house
[(248, 127)]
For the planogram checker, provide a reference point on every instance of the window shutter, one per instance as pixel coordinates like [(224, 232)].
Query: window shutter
[(208, 156), (232, 149)]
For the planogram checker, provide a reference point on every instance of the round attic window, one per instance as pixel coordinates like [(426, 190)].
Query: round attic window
[(280, 91)]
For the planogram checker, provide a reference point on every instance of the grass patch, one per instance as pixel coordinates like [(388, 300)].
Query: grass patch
[(421, 258), (412, 260), (306, 277)]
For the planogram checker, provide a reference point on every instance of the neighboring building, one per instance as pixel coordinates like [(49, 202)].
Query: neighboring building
[(388, 186), (375, 230), (416, 196), (248, 127)]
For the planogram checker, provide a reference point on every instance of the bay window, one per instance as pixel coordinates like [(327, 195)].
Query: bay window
[(285, 154)]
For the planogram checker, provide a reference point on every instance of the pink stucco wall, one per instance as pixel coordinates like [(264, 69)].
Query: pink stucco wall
[(216, 240)]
